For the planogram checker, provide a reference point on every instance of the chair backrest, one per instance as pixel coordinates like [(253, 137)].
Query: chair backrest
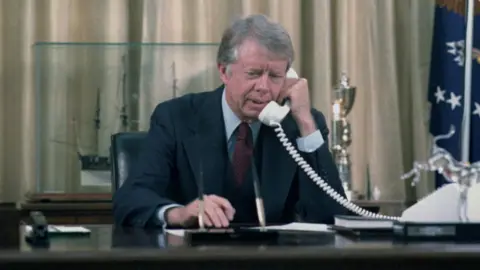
[(124, 151)]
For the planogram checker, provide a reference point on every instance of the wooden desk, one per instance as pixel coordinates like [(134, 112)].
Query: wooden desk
[(109, 246)]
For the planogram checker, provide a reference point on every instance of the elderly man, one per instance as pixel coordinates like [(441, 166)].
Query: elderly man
[(216, 135)]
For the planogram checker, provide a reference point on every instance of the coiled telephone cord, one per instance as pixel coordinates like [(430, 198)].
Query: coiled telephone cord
[(320, 182)]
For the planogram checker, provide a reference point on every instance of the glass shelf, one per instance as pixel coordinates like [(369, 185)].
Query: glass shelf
[(85, 92)]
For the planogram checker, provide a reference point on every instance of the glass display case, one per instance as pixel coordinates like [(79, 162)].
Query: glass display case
[(85, 92)]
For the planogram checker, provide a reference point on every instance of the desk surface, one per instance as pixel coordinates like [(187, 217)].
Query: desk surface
[(107, 245)]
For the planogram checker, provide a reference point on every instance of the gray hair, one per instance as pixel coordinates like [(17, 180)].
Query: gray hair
[(268, 34)]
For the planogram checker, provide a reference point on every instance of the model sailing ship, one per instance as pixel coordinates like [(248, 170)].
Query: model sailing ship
[(96, 162)]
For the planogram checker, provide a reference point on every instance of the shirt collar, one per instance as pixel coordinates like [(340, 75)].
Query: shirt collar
[(232, 121)]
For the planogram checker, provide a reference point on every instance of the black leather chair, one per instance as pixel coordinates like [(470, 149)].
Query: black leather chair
[(124, 151)]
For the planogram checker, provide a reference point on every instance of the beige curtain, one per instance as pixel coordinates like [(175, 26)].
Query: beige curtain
[(383, 45)]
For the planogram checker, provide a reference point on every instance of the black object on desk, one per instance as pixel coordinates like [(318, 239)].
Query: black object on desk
[(457, 232), (363, 233), (366, 228), (38, 236), (231, 236)]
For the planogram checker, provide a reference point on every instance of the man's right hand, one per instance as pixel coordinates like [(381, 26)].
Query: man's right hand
[(218, 213)]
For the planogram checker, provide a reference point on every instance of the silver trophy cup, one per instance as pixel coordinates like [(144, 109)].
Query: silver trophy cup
[(342, 103)]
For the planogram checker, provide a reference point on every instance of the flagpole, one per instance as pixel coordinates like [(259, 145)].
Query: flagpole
[(467, 92)]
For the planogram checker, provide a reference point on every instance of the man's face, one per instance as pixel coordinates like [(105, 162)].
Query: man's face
[(253, 80)]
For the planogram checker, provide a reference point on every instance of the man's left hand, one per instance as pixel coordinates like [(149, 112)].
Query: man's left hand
[(296, 90)]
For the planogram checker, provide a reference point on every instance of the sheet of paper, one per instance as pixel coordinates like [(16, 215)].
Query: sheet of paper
[(295, 226), (177, 232), (301, 227), (68, 229), (61, 229)]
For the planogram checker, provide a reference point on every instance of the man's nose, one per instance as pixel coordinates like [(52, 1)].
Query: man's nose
[(263, 83)]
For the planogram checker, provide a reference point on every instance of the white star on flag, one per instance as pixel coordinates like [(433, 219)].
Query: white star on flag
[(454, 100), (477, 109), (440, 94), (456, 48)]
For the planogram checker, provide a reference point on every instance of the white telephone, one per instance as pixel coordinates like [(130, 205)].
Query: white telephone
[(272, 115)]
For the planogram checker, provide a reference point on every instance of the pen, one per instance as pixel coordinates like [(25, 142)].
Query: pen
[(259, 204), (201, 201)]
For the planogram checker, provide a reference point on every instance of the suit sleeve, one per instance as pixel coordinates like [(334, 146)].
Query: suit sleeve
[(138, 200), (314, 204)]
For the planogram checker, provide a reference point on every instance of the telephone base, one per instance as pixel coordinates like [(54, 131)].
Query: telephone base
[(436, 217), (423, 231), (231, 236)]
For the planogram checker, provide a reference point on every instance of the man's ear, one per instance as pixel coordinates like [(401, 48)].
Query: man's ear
[(223, 70)]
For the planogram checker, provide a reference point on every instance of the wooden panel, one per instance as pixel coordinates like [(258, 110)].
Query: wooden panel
[(69, 197), (9, 220), (71, 212)]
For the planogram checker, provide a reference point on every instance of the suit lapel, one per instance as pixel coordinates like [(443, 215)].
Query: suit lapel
[(206, 147), (278, 167)]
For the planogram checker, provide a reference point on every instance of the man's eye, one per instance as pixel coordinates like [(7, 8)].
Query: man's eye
[(253, 73)]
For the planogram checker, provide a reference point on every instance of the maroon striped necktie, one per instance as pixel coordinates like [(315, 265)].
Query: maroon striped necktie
[(242, 153)]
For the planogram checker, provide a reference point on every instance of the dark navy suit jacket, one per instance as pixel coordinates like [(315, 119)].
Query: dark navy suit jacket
[(188, 131)]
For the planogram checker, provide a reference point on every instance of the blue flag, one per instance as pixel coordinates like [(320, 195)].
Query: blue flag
[(447, 74)]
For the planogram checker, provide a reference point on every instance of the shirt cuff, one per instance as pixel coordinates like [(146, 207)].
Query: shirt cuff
[(311, 142), (161, 213)]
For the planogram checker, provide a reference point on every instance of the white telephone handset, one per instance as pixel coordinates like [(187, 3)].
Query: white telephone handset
[(272, 115), (273, 112)]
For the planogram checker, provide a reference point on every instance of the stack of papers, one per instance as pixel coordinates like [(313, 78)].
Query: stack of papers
[(357, 222)]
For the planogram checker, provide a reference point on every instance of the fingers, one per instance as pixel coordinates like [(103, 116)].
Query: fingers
[(224, 204), (218, 212), (289, 84), (215, 217)]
